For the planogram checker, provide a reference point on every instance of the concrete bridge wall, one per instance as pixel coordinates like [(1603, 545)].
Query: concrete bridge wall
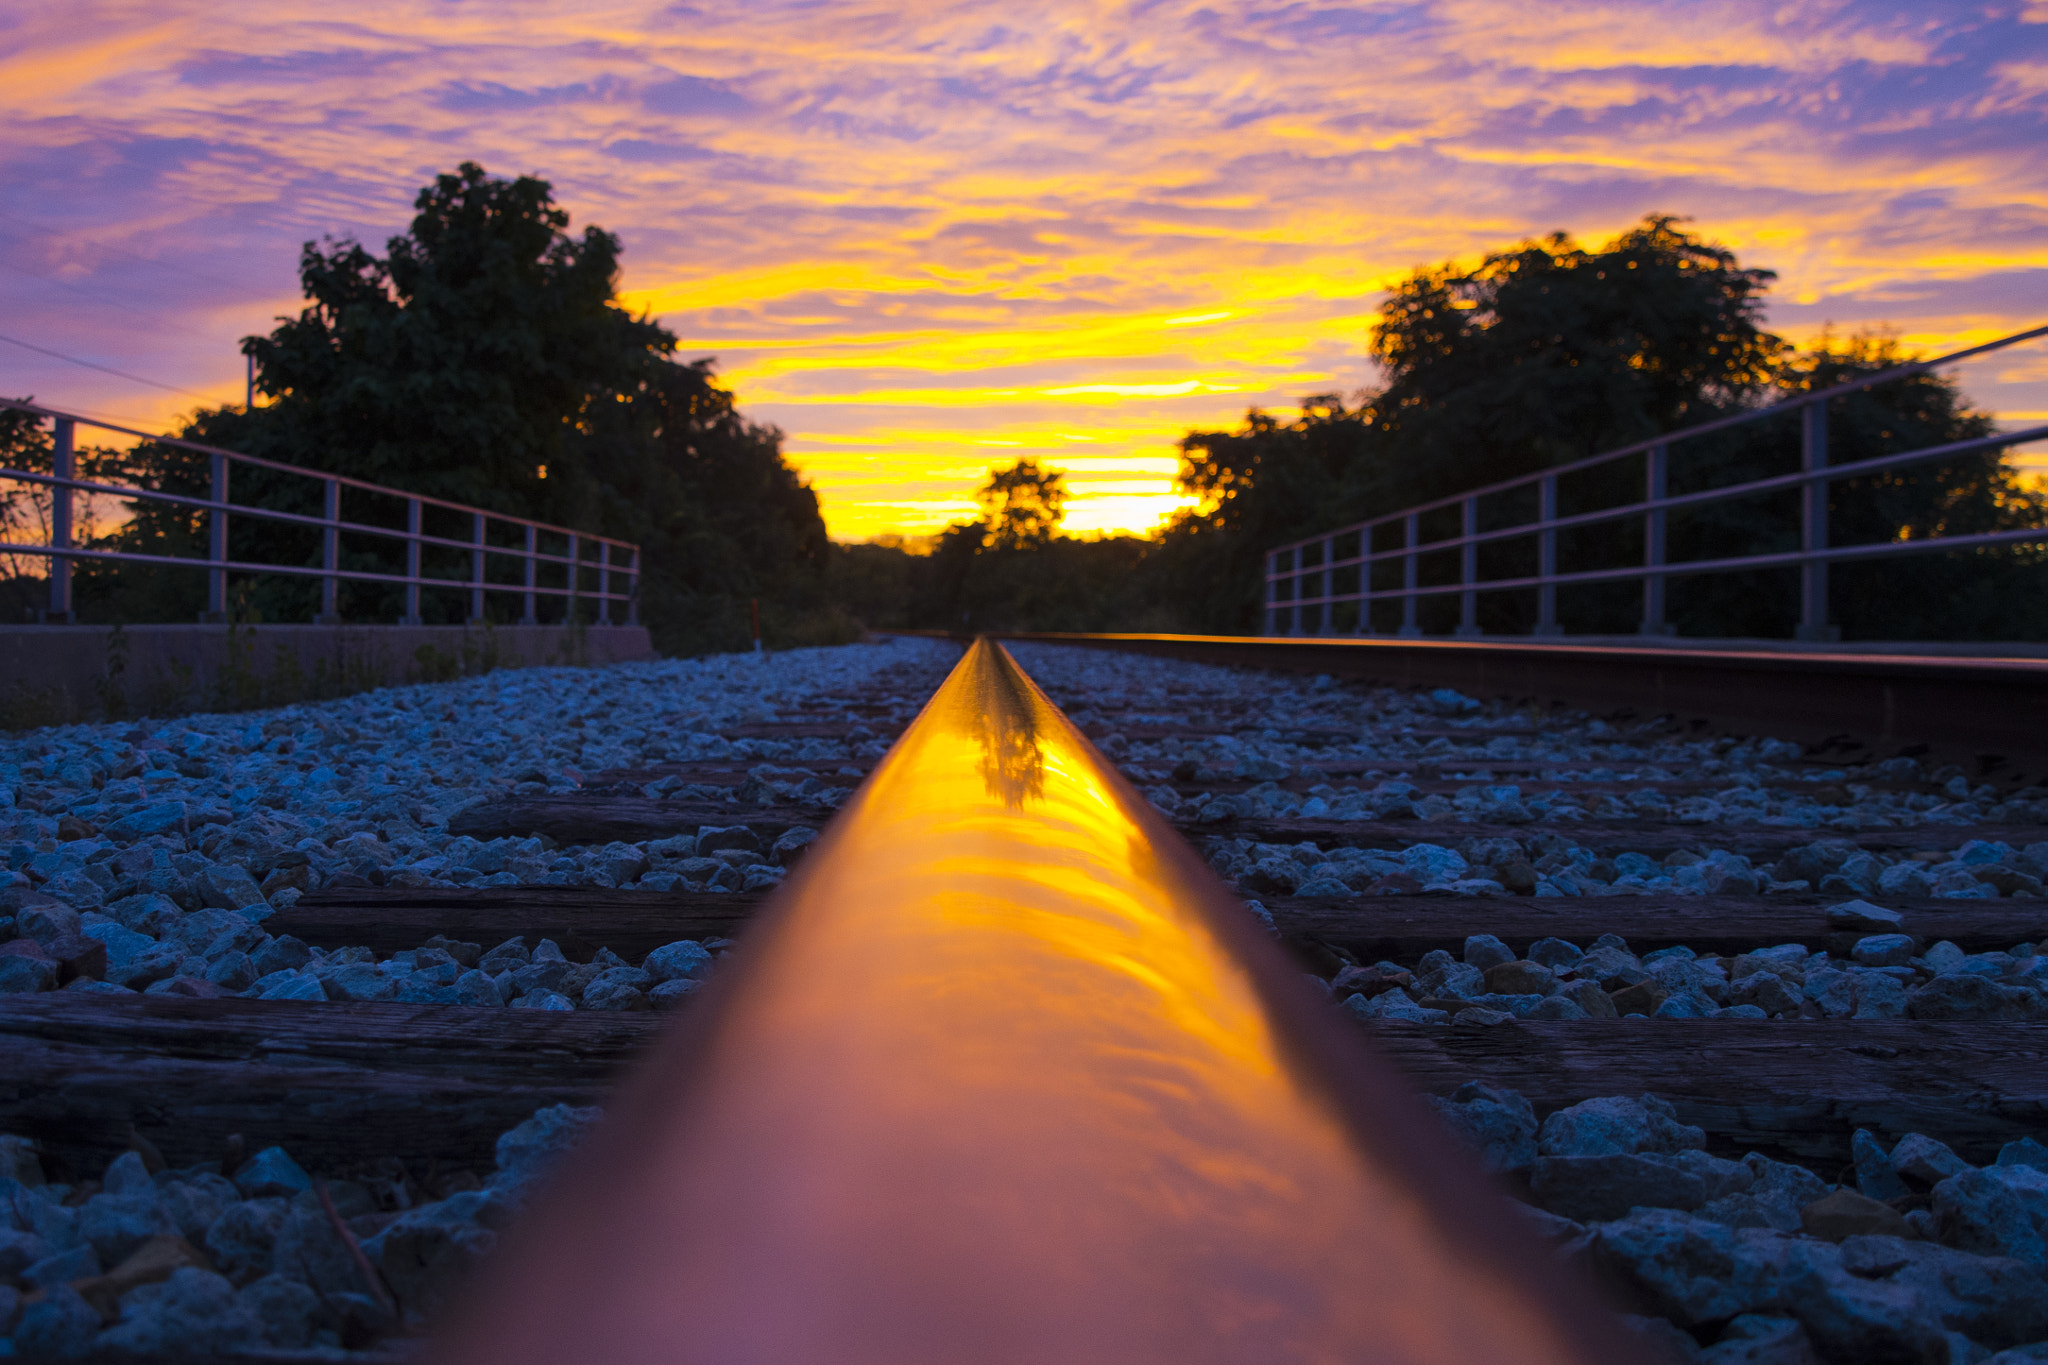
[(55, 674)]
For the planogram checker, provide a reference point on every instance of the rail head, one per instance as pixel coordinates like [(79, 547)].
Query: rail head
[(1004, 1073)]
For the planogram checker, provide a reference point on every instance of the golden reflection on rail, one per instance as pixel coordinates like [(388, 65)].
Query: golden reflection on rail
[(990, 1087)]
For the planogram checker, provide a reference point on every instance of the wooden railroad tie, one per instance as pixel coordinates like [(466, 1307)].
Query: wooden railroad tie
[(583, 919), (598, 817), (441, 1082)]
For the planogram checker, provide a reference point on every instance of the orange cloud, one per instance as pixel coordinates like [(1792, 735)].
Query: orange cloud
[(923, 240)]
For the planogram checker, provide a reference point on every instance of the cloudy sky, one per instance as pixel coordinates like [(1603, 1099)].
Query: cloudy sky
[(925, 238)]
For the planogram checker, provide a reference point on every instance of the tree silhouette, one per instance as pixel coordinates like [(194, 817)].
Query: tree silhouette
[(487, 344), (468, 356), (1022, 506), (1549, 351)]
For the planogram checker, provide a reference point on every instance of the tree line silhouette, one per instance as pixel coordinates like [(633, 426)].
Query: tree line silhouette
[(1539, 355), (484, 358)]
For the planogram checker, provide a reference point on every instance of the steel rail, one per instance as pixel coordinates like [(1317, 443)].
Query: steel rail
[(1879, 549), (1777, 483), (1003, 1073), (1300, 583), (1967, 707)]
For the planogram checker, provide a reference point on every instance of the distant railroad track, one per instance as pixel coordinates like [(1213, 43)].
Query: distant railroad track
[(1860, 699)]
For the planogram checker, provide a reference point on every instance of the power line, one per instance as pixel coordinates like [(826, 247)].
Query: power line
[(103, 300), (131, 255), (103, 369)]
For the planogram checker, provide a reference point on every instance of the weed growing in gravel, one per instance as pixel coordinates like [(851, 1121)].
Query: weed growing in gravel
[(113, 696)]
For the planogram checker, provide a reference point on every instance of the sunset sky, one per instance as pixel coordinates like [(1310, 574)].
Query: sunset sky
[(926, 238)]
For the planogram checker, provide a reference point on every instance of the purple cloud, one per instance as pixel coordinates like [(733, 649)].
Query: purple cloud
[(692, 95)]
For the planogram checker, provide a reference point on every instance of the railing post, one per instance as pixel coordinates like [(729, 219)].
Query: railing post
[(330, 553), (1269, 614), (530, 617), (1303, 623), (63, 464), (633, 589), (1408, 578), (412, 563), (1326, 614), (1654, 491), (604, 582), (1813, 525), (1295, 588), (1283, 592), (217, 544), (1364, 626), (476, 569), (575, 566), (1468, 572), (1546, 557)]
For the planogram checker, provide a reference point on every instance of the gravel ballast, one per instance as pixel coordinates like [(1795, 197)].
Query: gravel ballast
[(147, 858), (168, 845)]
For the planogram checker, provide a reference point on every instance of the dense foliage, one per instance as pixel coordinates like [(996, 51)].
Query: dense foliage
[(484, 359), (1549, 352), (1012, 570), (1537, 356)]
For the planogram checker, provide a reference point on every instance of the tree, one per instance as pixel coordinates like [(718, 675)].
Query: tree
[(464, 361), (720, 516), (1011, 569), (485, 359), (1262, 485), (1022, 506), (1548, 351), (1539, 354)]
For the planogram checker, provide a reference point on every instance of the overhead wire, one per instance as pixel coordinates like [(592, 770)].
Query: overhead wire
[(104, 369), (97, 297), (131, 255)]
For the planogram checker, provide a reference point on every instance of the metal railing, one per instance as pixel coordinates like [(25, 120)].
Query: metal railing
[(1300, 576), (614, 559)]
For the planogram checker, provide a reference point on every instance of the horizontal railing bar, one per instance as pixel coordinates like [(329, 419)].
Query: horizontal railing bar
[(299, 570), (300, 470), (1777, 409), (1780, 559), (1774, 484), (237, 509)]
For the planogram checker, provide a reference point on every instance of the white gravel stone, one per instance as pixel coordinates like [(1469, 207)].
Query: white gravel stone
[(203, 826), (206, 824)]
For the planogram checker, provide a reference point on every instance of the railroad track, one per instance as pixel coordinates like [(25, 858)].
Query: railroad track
[(430, 1086)]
